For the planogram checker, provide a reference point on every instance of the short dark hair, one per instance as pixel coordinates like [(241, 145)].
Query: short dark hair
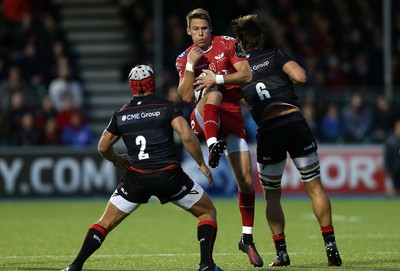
[(198, 13), (249, 32)]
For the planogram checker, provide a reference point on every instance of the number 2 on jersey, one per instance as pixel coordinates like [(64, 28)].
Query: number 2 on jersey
[(141, 140)]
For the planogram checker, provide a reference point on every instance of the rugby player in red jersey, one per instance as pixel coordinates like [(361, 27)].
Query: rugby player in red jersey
[(217, 115)]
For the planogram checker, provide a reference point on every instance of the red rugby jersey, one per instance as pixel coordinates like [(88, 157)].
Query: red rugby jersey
[(220, 58)]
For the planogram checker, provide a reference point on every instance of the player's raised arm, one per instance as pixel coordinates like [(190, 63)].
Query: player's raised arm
[(242, 76), (186, 73)]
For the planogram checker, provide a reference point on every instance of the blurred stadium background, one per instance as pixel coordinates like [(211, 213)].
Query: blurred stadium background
[(64, 66)]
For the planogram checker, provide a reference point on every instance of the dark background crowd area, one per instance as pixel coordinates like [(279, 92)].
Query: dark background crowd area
[(338, 42), (42, 101)]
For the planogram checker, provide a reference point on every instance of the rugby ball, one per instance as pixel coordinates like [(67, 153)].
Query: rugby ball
[(198, 93)]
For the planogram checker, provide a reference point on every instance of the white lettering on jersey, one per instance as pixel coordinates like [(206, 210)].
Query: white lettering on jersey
[(257, 66), (142, 115)]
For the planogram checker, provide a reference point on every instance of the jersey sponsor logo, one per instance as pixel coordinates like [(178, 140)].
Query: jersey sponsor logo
[(220, 56), (130, 117), (183, 54), (142, 115), (203, 65), (258, 66)]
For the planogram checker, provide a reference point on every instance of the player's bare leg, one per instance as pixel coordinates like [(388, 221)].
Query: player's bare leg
[(276, 222), (96, 234), (322, 210), (240, 163), (205, 211), (274, 212), (320, 202)]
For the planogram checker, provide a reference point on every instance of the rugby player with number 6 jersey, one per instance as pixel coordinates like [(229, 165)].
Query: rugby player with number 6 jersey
[(282, 129)]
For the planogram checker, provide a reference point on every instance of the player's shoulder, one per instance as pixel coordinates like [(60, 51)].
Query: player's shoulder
[(224, 38), (224, 41), (155, 99)]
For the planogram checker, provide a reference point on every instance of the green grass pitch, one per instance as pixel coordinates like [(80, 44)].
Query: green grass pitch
[(46, 235)]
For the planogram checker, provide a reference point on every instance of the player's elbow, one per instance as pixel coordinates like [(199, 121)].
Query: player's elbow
[(186, 96), (302, 78), (187, 139), (102, 148)]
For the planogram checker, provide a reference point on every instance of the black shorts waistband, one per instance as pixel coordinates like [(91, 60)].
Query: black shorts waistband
[(281, 120)]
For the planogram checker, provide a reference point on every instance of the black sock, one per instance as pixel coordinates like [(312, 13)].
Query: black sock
[(328, 234), (93, 240), (247, 238), (206, 234), (280, 243)]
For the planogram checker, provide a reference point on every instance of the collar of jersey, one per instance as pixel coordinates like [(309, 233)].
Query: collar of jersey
[(211, 45)]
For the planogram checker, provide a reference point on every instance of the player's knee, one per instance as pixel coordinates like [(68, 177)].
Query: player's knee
[(245, 183), (214, 97)]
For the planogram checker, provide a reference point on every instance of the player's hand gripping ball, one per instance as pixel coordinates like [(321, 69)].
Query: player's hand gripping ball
[(199, 93)]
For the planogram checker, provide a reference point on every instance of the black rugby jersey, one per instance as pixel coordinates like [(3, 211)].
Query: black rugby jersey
[(270, 85), (145, 126)]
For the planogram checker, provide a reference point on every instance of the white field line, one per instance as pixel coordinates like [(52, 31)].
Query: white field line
[(336, 218), (359, 236), (167, 255)]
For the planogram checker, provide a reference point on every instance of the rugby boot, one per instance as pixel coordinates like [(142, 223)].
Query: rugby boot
[(333, 254), (251, 251), (205, 267), (215, 152), (282, 259), (71, 268)]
